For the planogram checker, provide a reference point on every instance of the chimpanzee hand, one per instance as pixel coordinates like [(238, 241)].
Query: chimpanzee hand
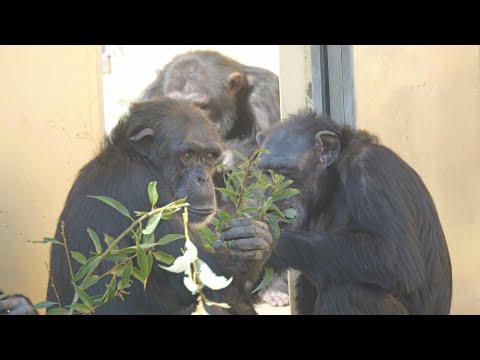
[(249, 245), (17, 305)]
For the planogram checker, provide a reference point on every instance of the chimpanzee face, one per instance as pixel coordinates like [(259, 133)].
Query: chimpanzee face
[(184, 145), (209, 88), (301, 152)]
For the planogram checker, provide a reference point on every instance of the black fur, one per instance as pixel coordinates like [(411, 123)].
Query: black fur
[(368, 239)]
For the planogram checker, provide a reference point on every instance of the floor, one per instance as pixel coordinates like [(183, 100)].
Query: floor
[(265, 309)]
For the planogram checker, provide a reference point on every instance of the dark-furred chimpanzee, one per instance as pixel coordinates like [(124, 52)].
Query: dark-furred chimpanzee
[(242, 100), (16, 305), (367, 239), (174, 143)]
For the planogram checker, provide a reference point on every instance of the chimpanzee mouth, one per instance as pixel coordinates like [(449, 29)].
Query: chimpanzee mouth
[(200, 216), (201, 211)]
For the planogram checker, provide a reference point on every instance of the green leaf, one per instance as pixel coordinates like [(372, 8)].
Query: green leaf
[(89, 282), (267, 279), (96, 241), (180, 201), (138, 233), (81, 308), (83, 296), (137, 274), (290, 213), (215, 222), (227, 182), (46, 241), (249, 209), (44, 304), (165, 258), (3, 296), (98, 299), (140, 213), (149, 268), (261, 150), (113, 203), (286, 194), (149, 239), (111, 289), (57, 311), (79, 257), (152, 223), (118, 271), (90, 264), (127, 272), (284, 184), (152, 193), (265, 207), (223, 215), (116, 257), (274, 226), (276, 210), (231, 195), (109, 241), (169, 238), (207, 235), (142, 261)]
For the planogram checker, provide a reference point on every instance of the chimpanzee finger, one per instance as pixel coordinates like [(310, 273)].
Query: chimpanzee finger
[(235, 223), (261, 225), (249, 255), (248, 244), (239, 232)]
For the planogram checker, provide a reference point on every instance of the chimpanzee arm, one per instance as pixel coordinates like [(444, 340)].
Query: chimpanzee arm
[(353, 256)]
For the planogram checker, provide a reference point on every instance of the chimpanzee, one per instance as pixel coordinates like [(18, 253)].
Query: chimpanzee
[(16, 305), (367, 239), (242, 100), (174, 143)]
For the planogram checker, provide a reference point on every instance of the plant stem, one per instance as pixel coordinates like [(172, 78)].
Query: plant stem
[(244, 185), (53, 285), (62, 226)]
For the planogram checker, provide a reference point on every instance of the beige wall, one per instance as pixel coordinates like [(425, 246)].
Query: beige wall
[(51, 115), (424, 102)]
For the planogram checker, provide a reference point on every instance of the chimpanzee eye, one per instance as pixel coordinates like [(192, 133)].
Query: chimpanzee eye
[(208, 156), (186, 156)]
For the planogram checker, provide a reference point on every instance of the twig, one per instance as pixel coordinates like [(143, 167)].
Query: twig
[(53, 285), (62, 225), (244, 185)]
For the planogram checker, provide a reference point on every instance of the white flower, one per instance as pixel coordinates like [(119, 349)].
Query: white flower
[(208, 277), (182, 263)]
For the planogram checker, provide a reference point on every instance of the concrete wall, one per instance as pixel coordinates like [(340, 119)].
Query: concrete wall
[(51, 114), (424, 103)]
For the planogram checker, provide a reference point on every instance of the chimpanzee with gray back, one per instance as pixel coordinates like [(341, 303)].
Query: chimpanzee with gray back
[(242, 100), (367, 239)]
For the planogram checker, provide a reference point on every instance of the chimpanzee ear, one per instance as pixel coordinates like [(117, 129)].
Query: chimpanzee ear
[(260, 138), (327, 146), (235, 82), (142, 140)]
